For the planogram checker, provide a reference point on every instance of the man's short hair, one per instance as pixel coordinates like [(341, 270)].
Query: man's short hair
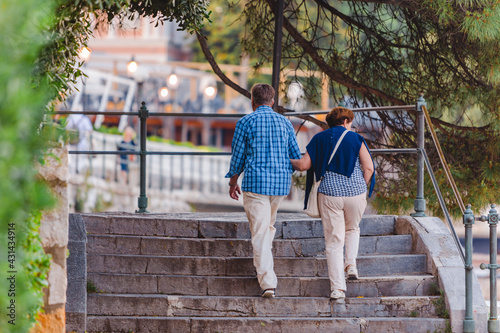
[(262, 93), (338, 115)]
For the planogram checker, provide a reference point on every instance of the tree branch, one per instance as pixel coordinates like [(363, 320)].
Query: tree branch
[(215, 67), (211, 60)]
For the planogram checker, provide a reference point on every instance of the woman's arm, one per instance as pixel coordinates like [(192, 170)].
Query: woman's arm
[(303, 164), (366, 163)]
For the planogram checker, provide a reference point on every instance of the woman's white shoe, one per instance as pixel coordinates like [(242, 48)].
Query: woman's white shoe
[(352, 273), (336, 294)]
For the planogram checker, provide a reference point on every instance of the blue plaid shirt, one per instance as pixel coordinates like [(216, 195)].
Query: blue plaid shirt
[(263, 144)]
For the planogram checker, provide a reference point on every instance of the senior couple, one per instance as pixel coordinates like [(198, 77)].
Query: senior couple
[(265, 149)]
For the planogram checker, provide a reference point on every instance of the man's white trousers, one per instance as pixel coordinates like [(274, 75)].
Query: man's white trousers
[(261, 212)]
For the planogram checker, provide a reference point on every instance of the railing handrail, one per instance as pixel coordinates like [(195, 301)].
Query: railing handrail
[(443, 205), (229, 115), (442, 158)]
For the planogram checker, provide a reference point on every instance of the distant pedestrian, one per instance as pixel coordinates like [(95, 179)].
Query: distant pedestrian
[(127, 144), (341, 194), (263, 144), (81, 128)]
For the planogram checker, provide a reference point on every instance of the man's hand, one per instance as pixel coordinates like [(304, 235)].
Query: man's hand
[(234, 192)]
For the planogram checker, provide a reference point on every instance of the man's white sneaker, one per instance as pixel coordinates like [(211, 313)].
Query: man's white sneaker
[(352, 273), (268, 293), (336, 294)]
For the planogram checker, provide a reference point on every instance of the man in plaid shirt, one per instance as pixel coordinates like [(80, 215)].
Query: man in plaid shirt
[(263, 144)]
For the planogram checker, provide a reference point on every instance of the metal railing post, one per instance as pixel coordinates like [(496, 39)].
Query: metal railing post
[(469, 323), (492, 218), (419, 203), (143, 199)]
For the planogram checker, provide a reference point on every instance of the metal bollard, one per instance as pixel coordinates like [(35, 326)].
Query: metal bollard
[(492, 218), (469, 323), (143, 199)]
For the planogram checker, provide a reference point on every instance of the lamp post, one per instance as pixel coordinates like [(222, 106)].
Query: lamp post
[(173, 84), (209, 92), (84, 54), (134, 72), (139, 74)]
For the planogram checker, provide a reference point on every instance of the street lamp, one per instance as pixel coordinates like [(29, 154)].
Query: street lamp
[(83, 54), (139, 74), (173, 81), (132, 67), (210, 92), (163, 93)]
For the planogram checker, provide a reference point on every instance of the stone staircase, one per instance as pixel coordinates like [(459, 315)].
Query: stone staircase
[(194, 273)]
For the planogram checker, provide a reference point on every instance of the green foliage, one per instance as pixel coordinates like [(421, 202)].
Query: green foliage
[(91, 287), (21, 143), (108, 130), (71, 28), (414, 314), (440, 305), (37, 265), (39, 65), (101, 205), (224, 34), (189, 14), (476, 174)]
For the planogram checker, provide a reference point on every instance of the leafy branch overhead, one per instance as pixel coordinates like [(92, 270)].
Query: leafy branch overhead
[(372, 52), (76, 20)]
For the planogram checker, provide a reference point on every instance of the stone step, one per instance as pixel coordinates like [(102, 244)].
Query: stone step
[(234, 306), (147, 245), (378, 265), (222, 225), (383, 286), (150, 324)]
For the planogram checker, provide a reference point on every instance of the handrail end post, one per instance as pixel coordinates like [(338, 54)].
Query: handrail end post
[(419, 207), (493, 326), (469, 323), (421, 101), (419, 203), (142, 204), (469, 326), (143, 199)]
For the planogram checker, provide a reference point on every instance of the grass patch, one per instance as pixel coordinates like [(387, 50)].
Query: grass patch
[(440, 305), (91, 287)]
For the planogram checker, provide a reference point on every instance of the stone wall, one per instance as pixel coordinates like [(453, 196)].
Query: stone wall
[(54, 235)]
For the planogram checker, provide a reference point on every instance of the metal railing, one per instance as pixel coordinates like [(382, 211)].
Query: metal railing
[(144, 114), (469, 324)]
